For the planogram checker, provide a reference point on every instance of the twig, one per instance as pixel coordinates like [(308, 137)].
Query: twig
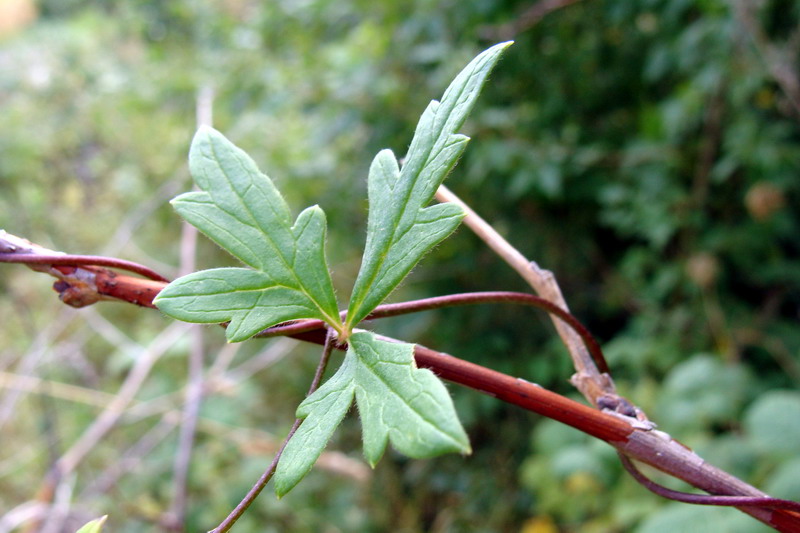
[(131, 458), (126, 394), (652, 447), (628, 435), (704, 499), (525, 21), (80, 260), (82, 280), (452, 300), (588, 379), (227, 524), (194, 396), (779, 63), (551, 304)]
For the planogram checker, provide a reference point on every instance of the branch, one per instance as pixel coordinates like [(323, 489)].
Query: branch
[(779, 61), (629, 435), (702, 499), (525, 21), (83, 279), (176, 516), (228, 523), (588, 379), (466, 298)]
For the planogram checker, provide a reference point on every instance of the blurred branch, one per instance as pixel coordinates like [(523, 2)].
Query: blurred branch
[(61, 391), (204, 110), (258, 442), (21, 514), (30, 360), (132, 457), (781, 61), (59, 510), (175, 518), (588, 379), (525, 21), (127, 391), (106, 421)]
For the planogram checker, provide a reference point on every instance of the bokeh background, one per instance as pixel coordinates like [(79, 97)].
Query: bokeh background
[(648, 153)]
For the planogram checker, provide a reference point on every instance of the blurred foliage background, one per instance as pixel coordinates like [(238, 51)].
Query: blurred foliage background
[(648, 153)]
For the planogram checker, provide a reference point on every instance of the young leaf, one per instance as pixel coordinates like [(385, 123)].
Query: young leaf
[(240, 209), (397, 402), (400, 229)]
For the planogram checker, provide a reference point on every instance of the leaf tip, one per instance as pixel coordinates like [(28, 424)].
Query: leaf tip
[(205, 135), (288, 476), (95, 526), (493, 53), (281, 491), (466, 448), (315, 209), (204, 130), (501, 46)]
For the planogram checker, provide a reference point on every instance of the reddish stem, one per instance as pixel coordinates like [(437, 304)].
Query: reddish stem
[(467, 298), (512, 390), (705, 499), (81, 260)]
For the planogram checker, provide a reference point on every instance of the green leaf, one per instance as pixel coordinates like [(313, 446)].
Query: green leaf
[(772, 423), (403, 404), (397, 402), (95, 526), (323, 411), (240, 209), (400, 229)]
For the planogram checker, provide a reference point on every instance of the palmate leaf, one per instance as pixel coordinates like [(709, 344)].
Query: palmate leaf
[(397, 402), (400, 229), (240, 209)]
